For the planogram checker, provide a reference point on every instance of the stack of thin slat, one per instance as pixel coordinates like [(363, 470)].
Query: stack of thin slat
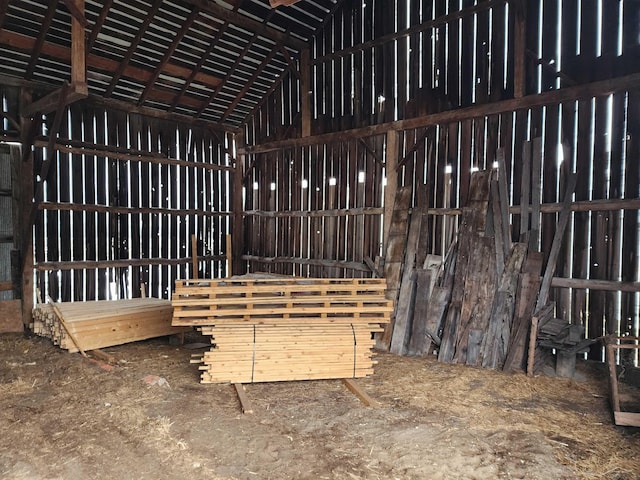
[(266, 330), (100, 324), (558, 334)]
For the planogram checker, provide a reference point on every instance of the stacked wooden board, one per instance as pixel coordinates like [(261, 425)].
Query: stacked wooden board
[(100, 324), (265, 330)]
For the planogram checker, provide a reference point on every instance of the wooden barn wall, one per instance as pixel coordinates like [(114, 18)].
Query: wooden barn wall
[(123, 197), (400, 59), (315, 211)]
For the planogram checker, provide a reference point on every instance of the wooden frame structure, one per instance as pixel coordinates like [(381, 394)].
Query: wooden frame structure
[(613, 344)]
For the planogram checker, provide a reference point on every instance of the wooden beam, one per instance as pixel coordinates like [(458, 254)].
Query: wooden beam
[(51, 102), (103, 64), (78, 53), (245, 404), (131, 262), (213, 43), (97, 26), (114, 209), (305, 91), (391, 160), (230, 72), (247, 23), (124, 63), (39, 42), (292, 64), (568, 94), (373, 153), (360, 267), (558, 238), (593, 284), (186, 25), (431, 24), (258, 70), (364, 397), (4, 7), (519, 49), (336, 212), (76, 9)]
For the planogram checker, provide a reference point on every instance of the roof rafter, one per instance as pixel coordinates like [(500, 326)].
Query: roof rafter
[(133, 47), (99, 23), (212, 45), (254, 26), (247, 86), (4, 6), (167, 56), (37, 48), (59, 52)]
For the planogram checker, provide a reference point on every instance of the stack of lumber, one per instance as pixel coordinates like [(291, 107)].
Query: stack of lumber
[(104, 323), (265, 330)]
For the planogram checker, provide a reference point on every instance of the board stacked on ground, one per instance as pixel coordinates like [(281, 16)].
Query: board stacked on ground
[(104, 323), (266, 330)]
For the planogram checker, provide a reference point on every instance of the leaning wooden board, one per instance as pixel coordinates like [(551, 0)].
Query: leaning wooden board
[(267, 330)]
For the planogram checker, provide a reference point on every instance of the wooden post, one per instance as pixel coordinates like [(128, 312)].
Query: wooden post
[(78, 55), (305, 91), (237, 223), (194, 255), (24, 229), (392, 182), (520, 49), (229, 243)]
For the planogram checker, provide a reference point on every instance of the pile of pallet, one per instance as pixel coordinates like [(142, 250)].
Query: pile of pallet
[(77, 326), (265, 330)]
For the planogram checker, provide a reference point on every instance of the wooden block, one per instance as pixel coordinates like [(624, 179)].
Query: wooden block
[(565, 364), (11, 316), (245, 404), (627, 419), (354, 388)]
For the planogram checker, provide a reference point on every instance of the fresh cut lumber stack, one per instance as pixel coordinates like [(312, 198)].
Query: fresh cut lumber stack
[(266, 330), (103, 323)]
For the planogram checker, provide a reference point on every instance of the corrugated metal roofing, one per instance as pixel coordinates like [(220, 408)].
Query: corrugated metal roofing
[(211, 60)]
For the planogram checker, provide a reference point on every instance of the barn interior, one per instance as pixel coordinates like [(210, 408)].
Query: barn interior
[(454, 185)]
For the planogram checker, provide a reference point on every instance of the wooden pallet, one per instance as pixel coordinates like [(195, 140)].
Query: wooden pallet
[(267, 330), (279, 301), (101, 324)]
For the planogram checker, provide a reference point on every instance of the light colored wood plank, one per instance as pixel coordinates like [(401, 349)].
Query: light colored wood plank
[(355, 388), (245, 404)]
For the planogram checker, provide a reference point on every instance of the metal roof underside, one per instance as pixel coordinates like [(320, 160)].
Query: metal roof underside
[(209, 60)]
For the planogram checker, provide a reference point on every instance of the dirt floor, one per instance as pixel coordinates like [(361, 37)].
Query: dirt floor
[(65, 417)]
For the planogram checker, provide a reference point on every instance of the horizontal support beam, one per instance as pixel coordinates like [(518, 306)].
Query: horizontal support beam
[(315, 213), (568, 94), (96, 150), (134, 262), (361, 267), (606, 205), (74, 207), (593, 284)]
